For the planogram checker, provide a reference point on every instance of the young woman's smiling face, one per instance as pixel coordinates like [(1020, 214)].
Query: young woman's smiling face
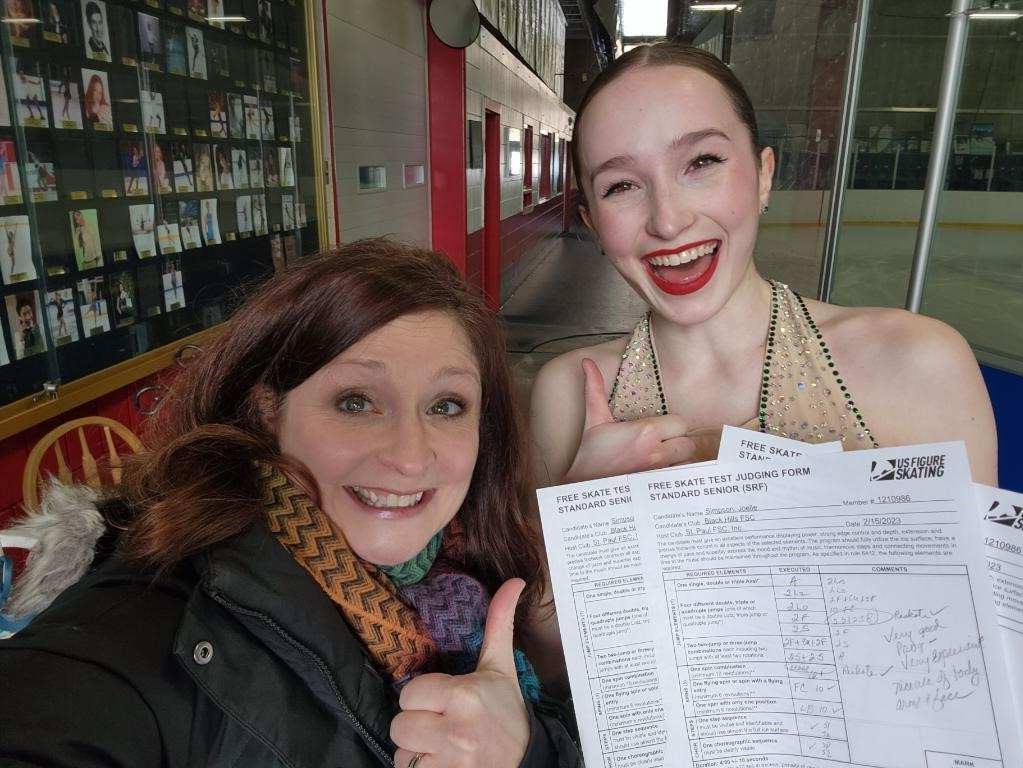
[(389, 430), (673, 187)]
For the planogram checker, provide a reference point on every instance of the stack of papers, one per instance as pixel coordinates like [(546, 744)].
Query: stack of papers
[(793, 606)]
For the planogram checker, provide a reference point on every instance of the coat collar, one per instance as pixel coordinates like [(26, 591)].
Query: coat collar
[(281, 635)]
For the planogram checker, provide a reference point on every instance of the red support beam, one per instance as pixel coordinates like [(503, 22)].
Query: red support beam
[(446, 84)]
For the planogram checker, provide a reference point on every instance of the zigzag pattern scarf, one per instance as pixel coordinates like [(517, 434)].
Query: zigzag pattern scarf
[(420, 616)]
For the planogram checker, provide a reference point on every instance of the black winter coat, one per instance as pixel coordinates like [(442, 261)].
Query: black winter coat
[(236, 658)]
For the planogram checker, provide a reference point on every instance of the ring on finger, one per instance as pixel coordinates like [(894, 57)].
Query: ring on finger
[(415, 759)]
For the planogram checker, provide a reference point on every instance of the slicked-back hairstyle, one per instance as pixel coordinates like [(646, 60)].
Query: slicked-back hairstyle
[(196, 486), (666, 54)]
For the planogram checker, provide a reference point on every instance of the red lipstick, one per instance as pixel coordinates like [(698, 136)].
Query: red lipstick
[(686, 285)]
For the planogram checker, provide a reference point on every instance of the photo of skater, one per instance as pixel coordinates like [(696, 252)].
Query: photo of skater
[(97, 31), (209, 223), (96, 102), (92, 303), (16, 263), (236, 115), (255, 170), (196, 53), (85, 238), (218, 115), (259, 223), (243, 213), (252, 116), (270, 174), (188, 215), (288, 212), (203, 169), (58, 21), (168, 237), (240, 163), (10, 179), (222, 162), (150, 42), (287, 167), (122, 291), (135, 168), (161, 172), (65, 98), (152, 111), (60, 316), (266, 121), (173, 288), (40, 173), (143, 232), (174, 49), (23, 314), (20, 20), (184, 179), (30, 94)]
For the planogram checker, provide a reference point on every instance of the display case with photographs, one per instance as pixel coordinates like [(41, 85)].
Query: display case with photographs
[(152, 163)]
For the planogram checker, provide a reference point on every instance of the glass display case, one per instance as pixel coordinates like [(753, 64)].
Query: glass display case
[(156, 158)]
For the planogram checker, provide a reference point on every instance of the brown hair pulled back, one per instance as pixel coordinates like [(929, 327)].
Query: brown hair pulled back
[(666, 54), (196, 486)]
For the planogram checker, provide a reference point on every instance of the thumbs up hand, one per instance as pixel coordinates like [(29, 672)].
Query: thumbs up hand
[(470, 720), (611, 448)]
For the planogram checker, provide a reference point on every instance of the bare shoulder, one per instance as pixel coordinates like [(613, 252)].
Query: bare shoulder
[(557, 410), (914, 378)]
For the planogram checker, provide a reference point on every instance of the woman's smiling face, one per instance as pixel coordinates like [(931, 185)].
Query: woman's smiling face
[(674, 187), (389, 430)]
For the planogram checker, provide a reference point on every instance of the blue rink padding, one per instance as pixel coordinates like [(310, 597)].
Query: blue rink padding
[(1006, 391)]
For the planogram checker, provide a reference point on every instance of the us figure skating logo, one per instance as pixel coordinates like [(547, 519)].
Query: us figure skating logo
[(882, 470), (908, 468), (1005, 514)]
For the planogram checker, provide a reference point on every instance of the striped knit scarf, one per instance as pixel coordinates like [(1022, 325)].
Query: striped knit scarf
[(423, 615)]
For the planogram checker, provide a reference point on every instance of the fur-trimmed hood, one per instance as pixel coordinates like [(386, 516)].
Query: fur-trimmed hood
[(66, 527)]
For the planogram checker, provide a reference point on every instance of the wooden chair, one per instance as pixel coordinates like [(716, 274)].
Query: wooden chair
[(32, 480)]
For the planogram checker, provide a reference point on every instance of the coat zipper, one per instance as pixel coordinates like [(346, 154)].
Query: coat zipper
[(321, 665)]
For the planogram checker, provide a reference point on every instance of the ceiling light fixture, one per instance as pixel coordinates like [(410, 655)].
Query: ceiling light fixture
[(231, 19), (714, 6), (994, 14)]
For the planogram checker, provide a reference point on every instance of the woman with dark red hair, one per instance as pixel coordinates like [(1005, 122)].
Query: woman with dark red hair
[(319, 558)]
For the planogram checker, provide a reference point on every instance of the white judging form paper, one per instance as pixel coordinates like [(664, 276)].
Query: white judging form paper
[(1003, 542), (833, 610)]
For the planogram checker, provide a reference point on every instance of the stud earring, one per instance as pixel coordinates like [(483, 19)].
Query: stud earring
[(764, 209)]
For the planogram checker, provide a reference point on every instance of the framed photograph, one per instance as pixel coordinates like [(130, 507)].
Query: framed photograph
[(96, 101), (241, 168), (175, 106), (277, 253), (266, 22), (266, 120), (290, 248), (41, 172), (122, 294), (300, 219), (10, 179), (196, 53), (152, 112), (173, 286), (54, 247), (106, 170), (97, 30), (25, 315), (188, 216), (161, 154), (150, 42), (252, 117), (204, 175), (215, 13), (5, 107), (143, 231), (30, 94), (20, 19), (287, 167), (243, 213), (65, 98), (218, 60), (270, 173), (174, 49), (168, 237), (222, 161), (288, 212), (85, 238), (184, 178), (135, 168), (209, 221), (58, 17), (5, 357), (92, 303), (218, 115), (236, 115), (16, 263), (123, 34), (196, 10), (60, 316), (255, 169), (260, 225), (267, 70)]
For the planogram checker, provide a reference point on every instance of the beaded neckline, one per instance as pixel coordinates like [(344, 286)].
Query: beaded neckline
[(796, 396)]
